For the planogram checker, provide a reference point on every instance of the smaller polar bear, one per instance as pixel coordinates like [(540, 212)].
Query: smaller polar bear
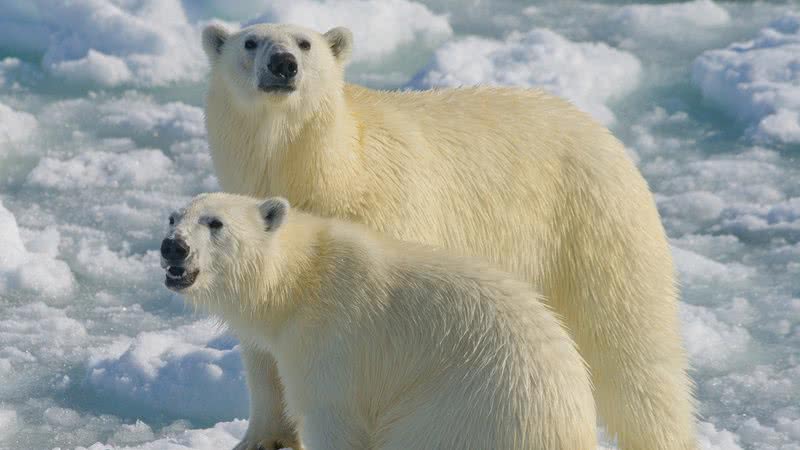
[(380, 344)]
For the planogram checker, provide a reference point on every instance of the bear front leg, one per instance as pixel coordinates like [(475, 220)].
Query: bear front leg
[(331, 428), (269, 427)]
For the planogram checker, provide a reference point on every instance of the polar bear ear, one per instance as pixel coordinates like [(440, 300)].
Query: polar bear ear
[(214, 37), (340, 40), (274, 210)]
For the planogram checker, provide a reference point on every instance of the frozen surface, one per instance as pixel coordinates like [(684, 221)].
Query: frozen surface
[(15, 125), (379, 26), (101, 135), (166, 370), (37, 271), (664, 20), (539, 58), (758, 80), (108, 43)]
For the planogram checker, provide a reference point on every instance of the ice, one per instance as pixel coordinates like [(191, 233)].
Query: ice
[(95, 66), (96, 260), (154, 43), (136, 168), (588, 73), (111, 43), (783, 125), (131, 115), (106, 42), (141, 114), (662, 20), (8, 65), (780, 219), (39, 272), (14, 252), (132, 434), (8, 421), (102, 135), (36, 341), (695, 268), (62, 417), (710, 342), (712, 439), (758, 81), (222, 435), (379, 26), (165, 371), (15, 125)]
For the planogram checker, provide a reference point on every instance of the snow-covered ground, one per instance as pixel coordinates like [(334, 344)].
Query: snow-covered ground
[(101, 135)]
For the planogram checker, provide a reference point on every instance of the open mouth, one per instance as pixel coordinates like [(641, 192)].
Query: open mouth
[(179, 278), (277, 88)]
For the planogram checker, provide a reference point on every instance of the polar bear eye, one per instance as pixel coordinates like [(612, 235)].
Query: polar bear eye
[(304, 44), (215, 224), (171, 220), (250, 44)]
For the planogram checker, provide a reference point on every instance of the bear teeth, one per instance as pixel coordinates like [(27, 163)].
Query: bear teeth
[(172, 275)]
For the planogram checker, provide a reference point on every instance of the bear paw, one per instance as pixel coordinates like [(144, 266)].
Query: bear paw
[(269, 444)]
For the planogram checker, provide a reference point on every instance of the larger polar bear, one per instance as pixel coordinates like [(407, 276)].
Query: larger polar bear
[(516, 176), (382, 344)]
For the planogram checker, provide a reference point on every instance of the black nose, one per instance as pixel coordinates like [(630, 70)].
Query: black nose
[(283, 65), (174, 249)]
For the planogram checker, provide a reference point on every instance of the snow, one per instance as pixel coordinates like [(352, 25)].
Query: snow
[(783, 125), (589, 74), (662, 20), (15, 125), (153, 42), (758, 81), (164, 371), (102, 135), (711, 343), (222, 435), (712, 439), (100, 41), (379, 26), (141, 114), (98, 168), (98, 261), (36, 341), (37, 271), (95, 66), (696, 268), (8, 421)]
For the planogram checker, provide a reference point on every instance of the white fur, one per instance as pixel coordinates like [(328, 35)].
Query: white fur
[(382, 344), (516, 176)]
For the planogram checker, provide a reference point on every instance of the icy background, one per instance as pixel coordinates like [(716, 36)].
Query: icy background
[(101, 135)]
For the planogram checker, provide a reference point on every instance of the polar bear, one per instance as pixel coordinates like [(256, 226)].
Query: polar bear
[(381, 344), (516, 176)]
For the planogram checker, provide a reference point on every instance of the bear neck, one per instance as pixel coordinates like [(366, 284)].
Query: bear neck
[(277, 290), (320, 141)]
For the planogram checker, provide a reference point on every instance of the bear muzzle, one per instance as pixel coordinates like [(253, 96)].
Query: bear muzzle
[(270, 84), (175, 258), (174, 250), (279, 75)]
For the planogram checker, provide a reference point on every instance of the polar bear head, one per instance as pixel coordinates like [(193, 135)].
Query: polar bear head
[(215, 241), (277, 65)]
